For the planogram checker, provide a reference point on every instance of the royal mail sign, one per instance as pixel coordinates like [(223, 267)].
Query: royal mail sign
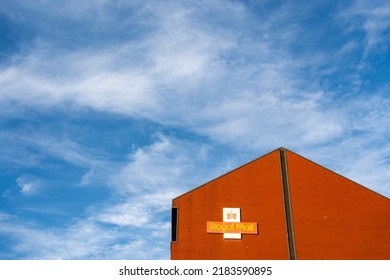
[(231, 226)]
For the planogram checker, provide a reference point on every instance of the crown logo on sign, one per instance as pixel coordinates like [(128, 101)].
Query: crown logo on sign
[(231, 216)]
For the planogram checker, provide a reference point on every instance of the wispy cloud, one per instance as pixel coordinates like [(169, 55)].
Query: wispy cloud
[(160, 164), (87, 176), (372, 17), (186, 64), (81, 240), (39, 145), (28, 185)]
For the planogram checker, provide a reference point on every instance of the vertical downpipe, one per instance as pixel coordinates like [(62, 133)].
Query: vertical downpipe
[(287, 205)]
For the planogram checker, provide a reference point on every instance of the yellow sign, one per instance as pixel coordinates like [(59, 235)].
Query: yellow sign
[(232, 227)]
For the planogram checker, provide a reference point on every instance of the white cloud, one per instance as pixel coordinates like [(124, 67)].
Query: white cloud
[(127, 214), (28, 185), (87, 176), (139, 210)]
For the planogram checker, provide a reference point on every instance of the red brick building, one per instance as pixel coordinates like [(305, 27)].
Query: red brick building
[(282, 206)]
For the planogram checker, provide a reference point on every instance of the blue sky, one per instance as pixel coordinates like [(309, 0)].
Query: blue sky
[(109, 109)]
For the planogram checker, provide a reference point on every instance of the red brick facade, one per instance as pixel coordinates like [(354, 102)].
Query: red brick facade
[(303, 211)]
